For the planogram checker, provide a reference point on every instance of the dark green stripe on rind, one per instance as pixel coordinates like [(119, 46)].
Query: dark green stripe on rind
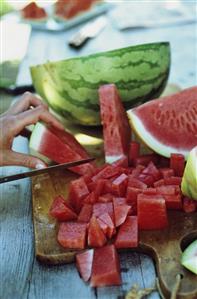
[(71, 86)]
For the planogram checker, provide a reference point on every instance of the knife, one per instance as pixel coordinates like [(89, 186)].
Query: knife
[(90, 30), (17, 90), (36, 172)]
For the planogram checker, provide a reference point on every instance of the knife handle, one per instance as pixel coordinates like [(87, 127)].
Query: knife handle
[(17, 90), (78, 40)]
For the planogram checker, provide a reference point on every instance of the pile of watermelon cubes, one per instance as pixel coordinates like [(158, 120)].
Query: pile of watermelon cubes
[(106, 209)]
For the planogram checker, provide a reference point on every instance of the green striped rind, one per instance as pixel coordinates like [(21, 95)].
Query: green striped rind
[(71, 86)]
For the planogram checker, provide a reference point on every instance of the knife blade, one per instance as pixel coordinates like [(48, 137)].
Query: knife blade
[(92, 29), (36, 172)]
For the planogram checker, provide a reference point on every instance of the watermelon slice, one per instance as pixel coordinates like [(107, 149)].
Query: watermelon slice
[(105, 268), (59, 146), (169, 124), (84, 263), (116, 128), (72, 235)]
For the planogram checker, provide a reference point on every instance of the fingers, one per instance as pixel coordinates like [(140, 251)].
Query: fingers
[(27, 100), (14, 158), (34, 115)]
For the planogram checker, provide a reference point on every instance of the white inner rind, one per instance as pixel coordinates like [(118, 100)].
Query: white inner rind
[(111, 159), (36, 136), (150, 140)]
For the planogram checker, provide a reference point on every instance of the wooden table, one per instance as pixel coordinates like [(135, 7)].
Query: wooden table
[(21, 275)]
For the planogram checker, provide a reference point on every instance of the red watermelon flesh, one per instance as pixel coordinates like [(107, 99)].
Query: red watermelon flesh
[(120, 213), (101, 208), (106, 267), (60, 146), (96, 236), (61, 211), (84, 263), (127, 236), (169, 124), (78, 190), (85, 213), (116, 128), (72, 235), (110, 225), (151, 211), (119, 185)]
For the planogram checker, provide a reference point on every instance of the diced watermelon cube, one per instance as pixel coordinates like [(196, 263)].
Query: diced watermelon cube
[(106, 173), (78, 190), (131, 197), (151, 212), (166, 172), (101, 208), (105, 268), (99, 187), (134, 151), (72, 235), (84, 262), (85, 213), (152, 170), (177, 163), (189, 205), (135, 183), (110, 225), (61, 211), (96, 237), (91, 186), (119, 185), (119, 201), (173, 180), (108, 187), (137, 171), (116, 128), (90, 198), (166, 190), (173, 202), (103, 226), (146, 179), (127, 236), (120, 213)]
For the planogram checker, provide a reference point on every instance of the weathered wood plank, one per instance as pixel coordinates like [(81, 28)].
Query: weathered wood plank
[(16, 234)]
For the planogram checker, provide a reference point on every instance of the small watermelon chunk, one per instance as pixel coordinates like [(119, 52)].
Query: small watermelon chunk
[(152, 170), (96, 237), (173, 180), (100, 208), (146, 159), (134, 151), (106, 267), (84, 262), (90, 198), (166, 172), (59, 146), (106, 173), (122, 162), (108, 197), (132, 194), (151, 212), (116, 128), (177, 163), (110, 225), (120, 213), (61, 211), (173, 202), (119, 185), (135, 183), (72, 235), (85, 213), (78, 190), (189, 205), (127, 236)]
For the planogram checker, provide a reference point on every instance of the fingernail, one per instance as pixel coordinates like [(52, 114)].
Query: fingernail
[(40, 166)]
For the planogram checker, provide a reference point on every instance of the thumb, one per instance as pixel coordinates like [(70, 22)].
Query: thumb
[(15, 158)]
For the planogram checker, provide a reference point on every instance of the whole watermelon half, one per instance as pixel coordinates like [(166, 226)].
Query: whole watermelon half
[(70, 86)]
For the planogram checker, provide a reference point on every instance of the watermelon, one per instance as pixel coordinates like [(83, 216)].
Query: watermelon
[(106, 267), (169, 124), (84, 263), (96, 237), (71, 86), (59, 146), (72, 235), (116, 128), (127, 236), (61, 211)]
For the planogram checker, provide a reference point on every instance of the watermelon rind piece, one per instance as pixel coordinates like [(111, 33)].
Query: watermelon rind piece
[(70, 86), (35, 140), (189, 180), (189, 257)]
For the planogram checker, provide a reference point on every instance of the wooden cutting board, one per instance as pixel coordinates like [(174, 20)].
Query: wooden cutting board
[(165, 246)]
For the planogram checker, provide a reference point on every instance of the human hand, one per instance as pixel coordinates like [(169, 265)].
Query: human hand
[(29, 110)]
